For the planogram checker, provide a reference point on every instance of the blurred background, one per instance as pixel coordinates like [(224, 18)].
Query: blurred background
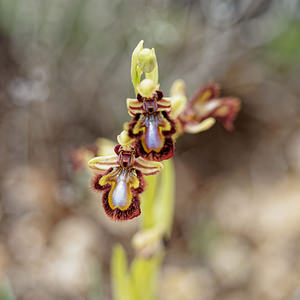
[(64, 78)]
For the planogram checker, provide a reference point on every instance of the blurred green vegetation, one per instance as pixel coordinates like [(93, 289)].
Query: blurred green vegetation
[(205, 238), (6, 292), (284, 50)]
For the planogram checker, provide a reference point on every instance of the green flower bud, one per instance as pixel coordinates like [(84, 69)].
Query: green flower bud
[(146, 60), (143, 62)]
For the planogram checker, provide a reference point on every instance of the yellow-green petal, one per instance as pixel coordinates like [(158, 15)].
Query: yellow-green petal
[(136, 71), (199, 127), (103, 163)]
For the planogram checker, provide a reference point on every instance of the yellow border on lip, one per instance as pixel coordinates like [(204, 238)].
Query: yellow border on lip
[(110, 178), (140, 128)]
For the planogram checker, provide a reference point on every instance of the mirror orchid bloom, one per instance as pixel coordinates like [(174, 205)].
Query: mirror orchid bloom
[(201, 111), (120, 177), (151, 126)]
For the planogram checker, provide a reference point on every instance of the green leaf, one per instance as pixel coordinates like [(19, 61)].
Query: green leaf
[(6, 292)]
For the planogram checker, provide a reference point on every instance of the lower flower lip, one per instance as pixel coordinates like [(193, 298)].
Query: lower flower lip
[(120, 195), (121, 187), (152, 139)]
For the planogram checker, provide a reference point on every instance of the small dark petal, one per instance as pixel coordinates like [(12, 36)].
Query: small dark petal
[(160, 94), (139, 97), (95, 181), (166, 152), (117, 149), (118, 214)]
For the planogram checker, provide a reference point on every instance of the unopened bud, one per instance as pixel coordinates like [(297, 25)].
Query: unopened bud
[(146, 60)]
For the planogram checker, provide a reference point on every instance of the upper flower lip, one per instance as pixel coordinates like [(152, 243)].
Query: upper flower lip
[(103, 163), (141, 105)]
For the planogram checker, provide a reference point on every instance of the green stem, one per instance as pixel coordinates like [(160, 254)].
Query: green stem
[(164, 206), (147, 202), (140, 281)]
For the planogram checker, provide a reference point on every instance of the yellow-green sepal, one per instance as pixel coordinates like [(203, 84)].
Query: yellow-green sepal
[(136, 71)]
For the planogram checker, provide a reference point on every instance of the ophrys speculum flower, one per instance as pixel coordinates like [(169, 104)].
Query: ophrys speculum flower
[(199, 113), (151, 126), (121, 180)]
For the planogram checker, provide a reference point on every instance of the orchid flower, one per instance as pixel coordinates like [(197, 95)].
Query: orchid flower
[(201, 111), (121, 179), (151, 126)]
